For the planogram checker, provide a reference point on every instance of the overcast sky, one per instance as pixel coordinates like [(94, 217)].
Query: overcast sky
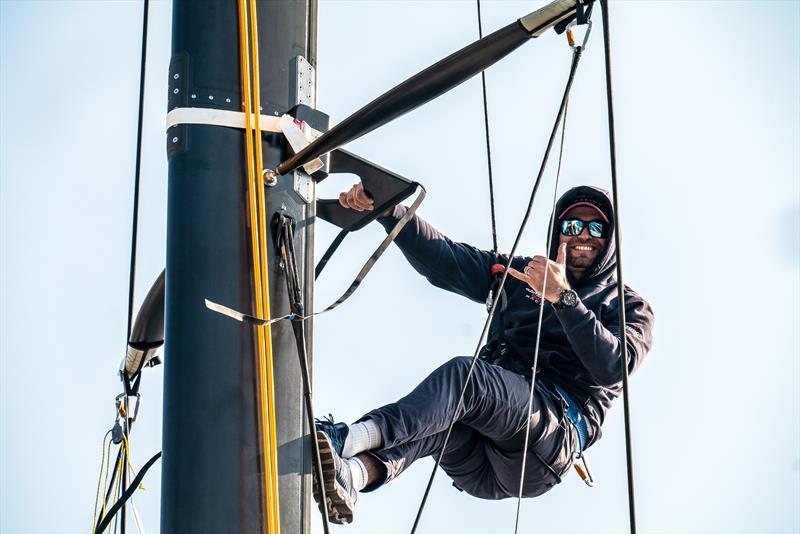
[(708, 135)]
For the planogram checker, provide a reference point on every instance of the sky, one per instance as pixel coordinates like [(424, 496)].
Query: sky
[(708, 133)]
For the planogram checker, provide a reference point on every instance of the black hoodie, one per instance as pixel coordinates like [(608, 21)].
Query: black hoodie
[(580, 349)]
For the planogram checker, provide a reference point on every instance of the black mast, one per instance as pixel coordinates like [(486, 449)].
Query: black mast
[(213, 476)]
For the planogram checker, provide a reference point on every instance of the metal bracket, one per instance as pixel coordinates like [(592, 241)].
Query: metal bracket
[(303, 91), (385, 187)]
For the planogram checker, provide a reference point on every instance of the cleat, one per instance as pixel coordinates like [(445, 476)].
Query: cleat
[(337, 478)]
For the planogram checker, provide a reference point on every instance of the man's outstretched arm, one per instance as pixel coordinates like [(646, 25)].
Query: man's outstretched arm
[(456, 267)]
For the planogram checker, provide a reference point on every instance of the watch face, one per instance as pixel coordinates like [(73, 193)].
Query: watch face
[(569, 298)]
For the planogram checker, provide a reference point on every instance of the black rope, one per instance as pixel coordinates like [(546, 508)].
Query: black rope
[(287, 251), (126, 494), (553, 133), (134, 229), (620, 285), (137, 174), (108, 492), (488, 144)]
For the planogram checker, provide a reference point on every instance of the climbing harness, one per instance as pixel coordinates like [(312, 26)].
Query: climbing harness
[(578, 421)]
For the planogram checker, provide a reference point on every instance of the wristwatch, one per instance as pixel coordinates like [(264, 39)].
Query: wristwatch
[(567, 299)]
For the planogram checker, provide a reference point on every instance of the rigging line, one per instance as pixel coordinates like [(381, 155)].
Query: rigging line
[(268, 388), (488, 144), (244, 50), (541, 315), (103, 462), (551, 140), (135, 224), (110, 487), (126, 494), (620, 284)]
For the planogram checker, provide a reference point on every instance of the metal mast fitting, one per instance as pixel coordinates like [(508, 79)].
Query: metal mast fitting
[(213, 474)]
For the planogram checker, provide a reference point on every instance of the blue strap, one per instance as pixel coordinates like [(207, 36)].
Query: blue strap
[(575, 415)]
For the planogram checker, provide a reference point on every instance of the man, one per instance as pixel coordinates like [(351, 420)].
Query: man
[(577, 377)]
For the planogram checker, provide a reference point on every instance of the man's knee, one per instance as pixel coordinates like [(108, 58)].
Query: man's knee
[(458, 366)]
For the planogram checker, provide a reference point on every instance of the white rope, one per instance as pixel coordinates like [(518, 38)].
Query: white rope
[(539, 325)]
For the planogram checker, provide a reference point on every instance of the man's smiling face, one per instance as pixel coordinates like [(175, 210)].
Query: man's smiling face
[(584, 249)]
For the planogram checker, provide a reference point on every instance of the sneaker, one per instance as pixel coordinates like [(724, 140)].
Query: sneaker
[(336, 474), (336, 432)]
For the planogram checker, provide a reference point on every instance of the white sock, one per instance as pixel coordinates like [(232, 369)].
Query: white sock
[(363, 436), (359, 472)]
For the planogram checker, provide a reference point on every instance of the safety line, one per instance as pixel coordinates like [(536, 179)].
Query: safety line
[(541, 315), (612, 146), (135, 222), (110, 485), (126, 494), (489, 317), (495, 247), (253, 182), (267, 362), (103, 462)]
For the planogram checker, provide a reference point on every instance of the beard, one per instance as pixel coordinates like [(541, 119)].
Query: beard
[(582, 259)]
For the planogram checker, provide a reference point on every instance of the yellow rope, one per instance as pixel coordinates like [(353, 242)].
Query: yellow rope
[(120, 467), (100, 478), (258, 226), (271, 434)]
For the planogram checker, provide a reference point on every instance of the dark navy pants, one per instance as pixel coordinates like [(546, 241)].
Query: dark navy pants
[(484, 452)]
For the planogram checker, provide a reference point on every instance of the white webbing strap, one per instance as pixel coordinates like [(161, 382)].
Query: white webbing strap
[(298, 133)]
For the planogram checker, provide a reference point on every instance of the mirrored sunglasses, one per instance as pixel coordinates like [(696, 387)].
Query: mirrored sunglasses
[(573, 227)]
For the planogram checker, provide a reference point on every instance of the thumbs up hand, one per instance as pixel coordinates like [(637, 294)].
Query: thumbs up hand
[(534, 274)]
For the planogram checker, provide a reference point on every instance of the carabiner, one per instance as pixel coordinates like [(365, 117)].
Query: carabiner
[(571, 37), (584, 472)]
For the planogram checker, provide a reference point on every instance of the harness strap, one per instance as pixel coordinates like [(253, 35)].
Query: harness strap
[(576, 417)]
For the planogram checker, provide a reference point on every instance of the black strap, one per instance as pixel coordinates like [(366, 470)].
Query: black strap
[(126, 494), (287, 252), (251, 319), (328, 253)]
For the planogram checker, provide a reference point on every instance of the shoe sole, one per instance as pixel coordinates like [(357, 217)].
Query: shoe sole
[(339, 506)]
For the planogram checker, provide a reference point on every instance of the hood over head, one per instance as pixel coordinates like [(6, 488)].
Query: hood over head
[(604, 267)]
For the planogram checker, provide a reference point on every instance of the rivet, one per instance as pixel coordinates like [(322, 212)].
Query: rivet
[(228, 100), (211, 97), (176, 76), (174, 139), (176, 91), (194, 96)]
